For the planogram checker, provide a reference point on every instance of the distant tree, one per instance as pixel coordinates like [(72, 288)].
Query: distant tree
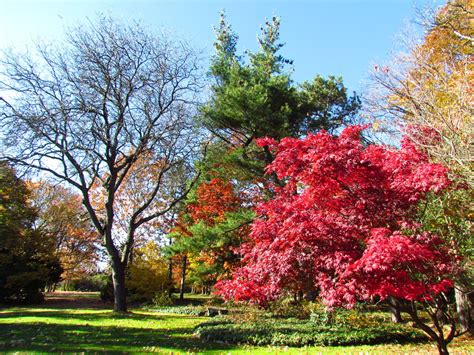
[(345, 225), (147, 276), (27, 259), (62, 217), (429, 87), (87, 110), (427, 92), (213, 223)]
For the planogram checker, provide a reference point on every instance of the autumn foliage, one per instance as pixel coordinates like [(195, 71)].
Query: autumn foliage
[(209, 229), (214, 199), (344, 224)]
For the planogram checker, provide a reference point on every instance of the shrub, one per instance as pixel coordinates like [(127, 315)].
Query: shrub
[(197, 311), (288, 308), (107, 291), (293, 332), (90, 283), (162, 299)]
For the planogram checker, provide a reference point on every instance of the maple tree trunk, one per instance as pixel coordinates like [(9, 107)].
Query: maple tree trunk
[(463, 308), (183, 277), (120, 292), (441, 342), (394, 305)]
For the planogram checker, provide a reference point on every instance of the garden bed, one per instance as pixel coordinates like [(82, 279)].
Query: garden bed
[(295, 332)]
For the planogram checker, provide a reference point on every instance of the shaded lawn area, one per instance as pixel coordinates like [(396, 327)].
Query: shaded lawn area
[(40, 330), (92, 330), (70, 322)]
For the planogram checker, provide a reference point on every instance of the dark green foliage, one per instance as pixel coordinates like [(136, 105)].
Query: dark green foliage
[(107, 290), (27, 257), (258, 98), (254, 96), (88, 283), (293, 332)]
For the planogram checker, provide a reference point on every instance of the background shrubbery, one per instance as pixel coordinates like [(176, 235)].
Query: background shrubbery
[(304, 323), (88, 283), (294, 332)]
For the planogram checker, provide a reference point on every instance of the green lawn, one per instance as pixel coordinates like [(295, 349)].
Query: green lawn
[(36, 329)]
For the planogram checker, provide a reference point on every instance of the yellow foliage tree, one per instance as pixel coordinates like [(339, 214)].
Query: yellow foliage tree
[(428, 93), (431, 87), (62, 217), (147, 274)]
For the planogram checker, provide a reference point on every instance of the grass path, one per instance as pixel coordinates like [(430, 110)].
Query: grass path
[(53, 328)]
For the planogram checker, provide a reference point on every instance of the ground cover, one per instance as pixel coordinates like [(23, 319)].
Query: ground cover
[(91, 327)]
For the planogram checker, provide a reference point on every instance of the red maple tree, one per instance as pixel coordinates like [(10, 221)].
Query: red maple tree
[(344, 225)]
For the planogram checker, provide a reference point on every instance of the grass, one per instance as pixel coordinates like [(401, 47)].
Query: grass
[(46, 329), (50, 329)]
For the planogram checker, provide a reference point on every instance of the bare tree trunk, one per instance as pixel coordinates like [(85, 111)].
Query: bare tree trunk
[(463, 308), (394, 305), (120, 292), (442, 349), (170, 277), (183, 276)]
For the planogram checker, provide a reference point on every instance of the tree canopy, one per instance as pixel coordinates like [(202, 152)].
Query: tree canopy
[(27, 258), (85, 111)]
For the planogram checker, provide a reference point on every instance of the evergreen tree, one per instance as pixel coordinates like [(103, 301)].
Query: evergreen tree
[(252, 96), (258, 98)]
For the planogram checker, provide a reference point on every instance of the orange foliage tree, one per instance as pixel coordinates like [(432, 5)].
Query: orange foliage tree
[(62, 216), (213, 223)]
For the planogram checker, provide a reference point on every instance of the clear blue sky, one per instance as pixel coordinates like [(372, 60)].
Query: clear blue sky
[(339, 37)]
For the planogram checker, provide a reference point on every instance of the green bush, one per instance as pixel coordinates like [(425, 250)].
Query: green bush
[(88, 283), (294, 332), (162, 299), (107, 290), (288, 308), (197, 311), (353, 318)]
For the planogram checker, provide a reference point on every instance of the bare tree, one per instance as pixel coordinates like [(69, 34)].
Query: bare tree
[(430, 86), (85, 111)]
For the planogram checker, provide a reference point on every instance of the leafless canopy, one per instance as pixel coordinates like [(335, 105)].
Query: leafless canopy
[(431, 86), (87, 109)]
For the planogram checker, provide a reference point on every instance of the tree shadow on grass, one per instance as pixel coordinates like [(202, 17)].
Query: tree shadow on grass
[(41, 337)]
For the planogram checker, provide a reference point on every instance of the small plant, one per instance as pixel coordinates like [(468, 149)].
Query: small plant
[(289, 308), (162, 299), (198, 311)]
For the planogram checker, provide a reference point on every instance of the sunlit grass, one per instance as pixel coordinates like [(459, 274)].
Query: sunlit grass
[(35, 329)]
